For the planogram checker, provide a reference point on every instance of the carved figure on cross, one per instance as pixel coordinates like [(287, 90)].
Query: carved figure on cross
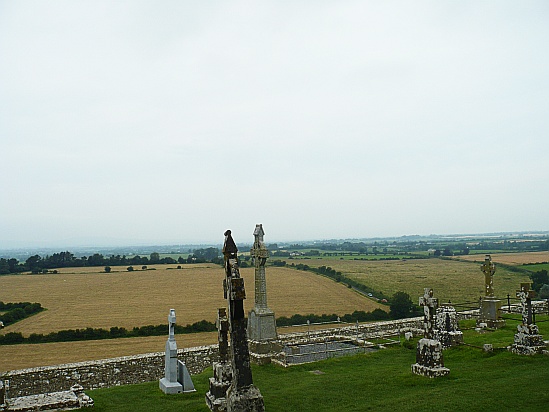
[(430, 305), (488, 268)]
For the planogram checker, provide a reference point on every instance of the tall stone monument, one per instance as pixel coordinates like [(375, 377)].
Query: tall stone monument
[(490, 306), (216, 396), (429, 359), (176, 377), (261, 320), (527, 341), (242, 395)]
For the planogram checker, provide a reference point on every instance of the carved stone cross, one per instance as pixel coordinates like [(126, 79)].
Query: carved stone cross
[(430, 305), (488, 268), (525, 295)]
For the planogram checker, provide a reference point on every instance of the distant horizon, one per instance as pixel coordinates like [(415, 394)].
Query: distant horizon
[(249, 240)]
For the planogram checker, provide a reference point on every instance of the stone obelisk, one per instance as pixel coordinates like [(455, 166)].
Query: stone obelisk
[(242, 395), (261, 320)]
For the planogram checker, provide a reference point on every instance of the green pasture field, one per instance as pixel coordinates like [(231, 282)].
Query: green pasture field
[(381, 380), (536, 267), (174, 255), (458, 281)]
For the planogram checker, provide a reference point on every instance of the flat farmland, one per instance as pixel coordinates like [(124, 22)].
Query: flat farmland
[(451, 280), (86, 297)]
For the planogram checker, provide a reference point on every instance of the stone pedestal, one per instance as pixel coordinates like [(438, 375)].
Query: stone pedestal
[(527, 341), (429, 360), (261, 325), (216, 396), (447, 328), (244, 399), (490, 313)]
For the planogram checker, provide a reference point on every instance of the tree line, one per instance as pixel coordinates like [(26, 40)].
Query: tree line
[(39, 264), (14, 312)]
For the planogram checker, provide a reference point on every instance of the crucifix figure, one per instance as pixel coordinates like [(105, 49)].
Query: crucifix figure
[(488, 268), (430, 305)]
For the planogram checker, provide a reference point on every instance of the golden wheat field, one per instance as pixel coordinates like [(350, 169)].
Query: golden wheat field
[(449, 279), (83, 298), (511, 258)]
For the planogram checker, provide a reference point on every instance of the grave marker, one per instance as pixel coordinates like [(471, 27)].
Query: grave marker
[(429, 359), (527, 340), (242, 395)]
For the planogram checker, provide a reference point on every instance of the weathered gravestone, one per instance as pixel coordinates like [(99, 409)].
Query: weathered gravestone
[(527, 341), (176, 376), (216, 396), (490, 306), (429, 359), (2, 396), (447, 330), (261, 320), (242, 395)]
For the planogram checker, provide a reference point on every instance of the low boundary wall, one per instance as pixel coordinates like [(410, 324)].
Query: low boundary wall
[(149, 367), (104, 373)]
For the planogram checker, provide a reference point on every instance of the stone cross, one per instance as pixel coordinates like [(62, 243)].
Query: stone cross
[(171, 323), (169, 384), (488, 268), (430, 305), (525, 295), (242, 395), (260, 254), (222, 324)]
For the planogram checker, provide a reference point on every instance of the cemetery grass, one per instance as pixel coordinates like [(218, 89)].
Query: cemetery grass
[(375, 381)]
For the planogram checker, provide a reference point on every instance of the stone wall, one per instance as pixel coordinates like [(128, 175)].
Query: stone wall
[(149, 367), (104, 373)]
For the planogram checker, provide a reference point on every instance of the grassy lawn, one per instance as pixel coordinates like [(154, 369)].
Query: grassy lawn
[(382, 380)]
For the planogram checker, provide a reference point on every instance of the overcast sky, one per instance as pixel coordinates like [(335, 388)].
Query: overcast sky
[(130, 122)]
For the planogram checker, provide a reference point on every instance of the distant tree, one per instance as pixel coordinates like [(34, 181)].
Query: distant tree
[(130, 268), (401, 306), (107, 269), (447, 252), (544, 292), (437, 253), (155, 258), (539, 279), (144, 267)]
